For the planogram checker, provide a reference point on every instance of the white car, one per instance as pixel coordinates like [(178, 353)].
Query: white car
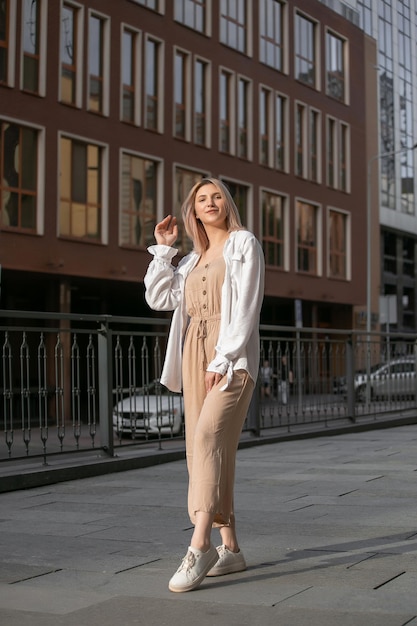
[(149, 411), (394, 379)]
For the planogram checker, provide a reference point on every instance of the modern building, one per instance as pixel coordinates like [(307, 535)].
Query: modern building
[(110, 111), (394, 25)]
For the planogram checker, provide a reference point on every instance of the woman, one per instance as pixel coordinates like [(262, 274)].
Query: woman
[(212, 353)]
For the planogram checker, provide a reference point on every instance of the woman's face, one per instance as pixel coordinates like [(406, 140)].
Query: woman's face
[(210, 207)]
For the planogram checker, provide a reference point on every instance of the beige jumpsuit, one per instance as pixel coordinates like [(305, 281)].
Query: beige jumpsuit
[(213, 421)]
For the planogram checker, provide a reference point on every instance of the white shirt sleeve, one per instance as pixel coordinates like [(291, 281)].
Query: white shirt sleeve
[(162, 283)]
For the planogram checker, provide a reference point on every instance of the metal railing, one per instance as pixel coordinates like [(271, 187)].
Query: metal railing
[(74, 383)]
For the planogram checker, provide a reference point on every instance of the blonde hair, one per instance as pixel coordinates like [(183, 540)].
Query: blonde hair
[(194, 228)]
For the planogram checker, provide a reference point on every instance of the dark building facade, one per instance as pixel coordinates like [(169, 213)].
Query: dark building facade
[(110, 111)]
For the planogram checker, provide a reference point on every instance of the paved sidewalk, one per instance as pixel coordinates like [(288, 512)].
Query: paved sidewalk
[(328, 527)]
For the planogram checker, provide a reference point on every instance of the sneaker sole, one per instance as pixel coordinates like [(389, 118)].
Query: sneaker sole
[(197, 582), (227, 569)]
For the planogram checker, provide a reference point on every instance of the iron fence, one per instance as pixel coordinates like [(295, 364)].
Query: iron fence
[(72, 383)]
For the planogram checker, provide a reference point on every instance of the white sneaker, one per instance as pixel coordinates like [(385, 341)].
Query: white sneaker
[(228, 563), (193, 569)]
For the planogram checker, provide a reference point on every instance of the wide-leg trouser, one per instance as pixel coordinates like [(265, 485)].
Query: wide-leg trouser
[(213, 424)]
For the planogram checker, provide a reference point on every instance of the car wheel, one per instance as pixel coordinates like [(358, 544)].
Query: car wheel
[(361, 393)]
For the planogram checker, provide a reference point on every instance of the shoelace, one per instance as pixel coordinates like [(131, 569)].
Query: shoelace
[(222, 550), (187, 562)]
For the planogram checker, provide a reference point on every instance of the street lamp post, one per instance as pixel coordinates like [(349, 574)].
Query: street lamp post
[(376, 157)]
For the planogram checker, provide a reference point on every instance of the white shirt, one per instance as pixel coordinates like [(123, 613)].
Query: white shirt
[(242, 294)]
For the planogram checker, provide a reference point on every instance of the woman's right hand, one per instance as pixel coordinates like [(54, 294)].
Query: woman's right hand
[(166, 232)]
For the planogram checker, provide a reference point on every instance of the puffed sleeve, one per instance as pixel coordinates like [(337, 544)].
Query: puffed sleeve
[(162, 283)]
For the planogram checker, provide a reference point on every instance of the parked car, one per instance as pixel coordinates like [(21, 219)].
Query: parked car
[(391, 380), (151, 410)]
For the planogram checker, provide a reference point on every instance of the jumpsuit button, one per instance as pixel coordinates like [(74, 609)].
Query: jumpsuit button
[(204, 306), (206, 266), (204, 293), (204, 278)]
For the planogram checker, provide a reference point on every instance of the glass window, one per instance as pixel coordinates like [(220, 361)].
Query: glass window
[(150, 4), (271, 33), (273, 228), (281, 125), (4, 39), (191, 13), (265, 126), (139, 201), (152, 84), (18, 176), (243, 87), (233, 24), (331, 152), (129, 72), (305, 50), (31, 45), (390, 252), (184, 180), (409, 256), (307, 228), (388, 95), (314, 141), (335, 67), (338, 155), (240, 194), (344, 152), (180, 94), (365, 15), (80, 189), (201, 74), (225, 111), (337, 244), (95, 63), (300, 139), (69, 61)]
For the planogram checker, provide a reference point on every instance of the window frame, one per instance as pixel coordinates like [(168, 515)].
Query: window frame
[(186, 64), (206, 8), (282, 45), (158, 201), (230, 104), (105, 61), (347, 256), (285, 229), (159, 83), (104, 162), (79, 46), (40, 178), (206, 115), (318, 237), (136, 59), (329, 33), (247, 154), (300, 58), (245, 26), (160, 5), (41, 55), (340, 176), (9, 44), (266, 118), (247, 219)]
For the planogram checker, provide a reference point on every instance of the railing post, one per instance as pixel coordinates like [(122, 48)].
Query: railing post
[(350, 374), (415, 369), (105, 382), (254, 411)]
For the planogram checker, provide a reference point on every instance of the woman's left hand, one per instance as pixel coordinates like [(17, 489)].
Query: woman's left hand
[(211, 379)]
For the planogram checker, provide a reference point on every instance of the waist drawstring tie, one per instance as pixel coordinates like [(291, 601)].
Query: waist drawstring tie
[(202, 332)]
